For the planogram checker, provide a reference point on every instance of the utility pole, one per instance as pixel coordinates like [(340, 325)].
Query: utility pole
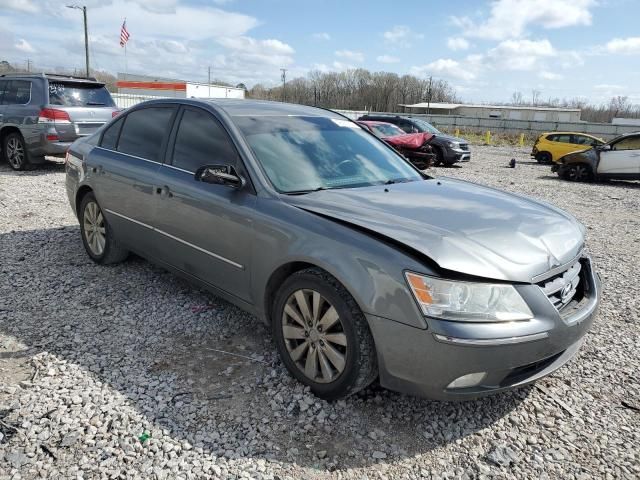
[(209, 82), (429, 96), (86, 35), (284, 83), (28, 65)]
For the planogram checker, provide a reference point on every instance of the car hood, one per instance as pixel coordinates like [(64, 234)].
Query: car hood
[(461, 226), (448, 138), (410, 140)]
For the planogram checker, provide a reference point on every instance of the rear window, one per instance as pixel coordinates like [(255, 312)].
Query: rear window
[(78, 95)]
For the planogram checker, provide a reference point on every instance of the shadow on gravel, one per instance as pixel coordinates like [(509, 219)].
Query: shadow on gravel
[(45, 168), (203, 370), (624, 184)]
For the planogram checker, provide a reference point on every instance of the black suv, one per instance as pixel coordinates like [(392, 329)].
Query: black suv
[(448, 149), (42, 114)]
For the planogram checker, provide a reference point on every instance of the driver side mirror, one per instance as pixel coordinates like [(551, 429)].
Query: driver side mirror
[(220, 175), (604, 148)]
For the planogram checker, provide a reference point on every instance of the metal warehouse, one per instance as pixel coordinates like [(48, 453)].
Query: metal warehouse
[(506, 112), (168, 87)]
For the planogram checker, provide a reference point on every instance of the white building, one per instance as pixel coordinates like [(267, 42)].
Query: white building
[(505, 112), (144, 85)]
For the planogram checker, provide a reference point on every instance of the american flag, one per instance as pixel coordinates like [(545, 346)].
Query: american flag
[(124, 34)]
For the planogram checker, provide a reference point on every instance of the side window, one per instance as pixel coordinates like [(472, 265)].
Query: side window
[(406, 126), (17, 93), (551, 138), (582, 140), (629, 143), (110, 135), (563, 138), (144, 131), (4, 86), (201, 140)]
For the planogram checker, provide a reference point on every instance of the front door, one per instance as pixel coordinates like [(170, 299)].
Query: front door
[(623, 159), (206, 229)]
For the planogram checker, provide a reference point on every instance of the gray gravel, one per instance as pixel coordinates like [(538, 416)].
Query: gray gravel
[(119, 371)]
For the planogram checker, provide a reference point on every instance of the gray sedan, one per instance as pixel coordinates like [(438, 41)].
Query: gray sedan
[(363, 267)]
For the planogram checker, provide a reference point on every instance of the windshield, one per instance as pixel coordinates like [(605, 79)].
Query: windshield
[(301, 154), (77, 95), (387, 130), (425, 126)]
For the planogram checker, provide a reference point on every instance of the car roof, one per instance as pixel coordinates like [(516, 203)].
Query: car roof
[(571, 133), (255, 108), (375, 122), (53, 77)]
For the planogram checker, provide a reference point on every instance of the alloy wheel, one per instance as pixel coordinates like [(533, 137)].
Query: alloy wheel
[(15, 152), (314, 336), (578, 173), (94, 228)]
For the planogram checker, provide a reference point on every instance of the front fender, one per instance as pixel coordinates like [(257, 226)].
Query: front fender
[(369, 268)]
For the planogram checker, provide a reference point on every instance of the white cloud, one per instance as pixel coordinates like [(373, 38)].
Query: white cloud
[(350, 55), (520, 54), (387, 59), (628, 46), (545, 75), (402, 36), (510, 18), (23, 46), (445, 67), (27, 6), (340, 66), (321, 36), (457, 43), (609, 87)]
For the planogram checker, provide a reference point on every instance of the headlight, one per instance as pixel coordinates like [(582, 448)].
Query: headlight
[(453, 145), (467, 301)]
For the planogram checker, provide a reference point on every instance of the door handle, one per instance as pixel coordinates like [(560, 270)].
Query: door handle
[(97, 170)]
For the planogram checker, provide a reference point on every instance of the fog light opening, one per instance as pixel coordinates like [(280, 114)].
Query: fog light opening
[(469, 380)]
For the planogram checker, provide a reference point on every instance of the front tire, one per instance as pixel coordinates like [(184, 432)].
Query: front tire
[(96, 233), (15, 152), (579, 173), (322, 335)]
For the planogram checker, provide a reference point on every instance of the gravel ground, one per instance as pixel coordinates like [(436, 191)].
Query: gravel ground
[(120, 372)]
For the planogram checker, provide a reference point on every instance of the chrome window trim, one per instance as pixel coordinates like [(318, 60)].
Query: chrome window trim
[(488, 342), (128, 155), (177, 239), (178, 168)]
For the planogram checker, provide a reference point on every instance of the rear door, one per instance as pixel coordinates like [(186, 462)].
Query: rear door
[(89, 106), (623, 159), (563, 144), (4, 86), (206, 229), (124, 168)]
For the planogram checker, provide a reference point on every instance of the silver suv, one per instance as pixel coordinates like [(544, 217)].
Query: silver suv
[(42, 114)]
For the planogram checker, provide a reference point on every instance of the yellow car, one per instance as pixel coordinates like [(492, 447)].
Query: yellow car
[(552, 146)]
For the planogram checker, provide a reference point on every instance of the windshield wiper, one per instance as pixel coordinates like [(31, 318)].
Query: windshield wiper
[(304, 192)]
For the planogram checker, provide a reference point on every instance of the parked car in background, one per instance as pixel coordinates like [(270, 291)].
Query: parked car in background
[(42, 114), (414, 146), (618, 159), (552, 146), (448, 149), (362, 266)]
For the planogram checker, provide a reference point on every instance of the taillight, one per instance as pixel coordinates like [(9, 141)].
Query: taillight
[(66, 157), (52, 138), (52, 115), (115, 114)]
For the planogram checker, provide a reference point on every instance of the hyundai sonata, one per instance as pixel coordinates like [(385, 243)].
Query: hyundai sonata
[(363, 267)]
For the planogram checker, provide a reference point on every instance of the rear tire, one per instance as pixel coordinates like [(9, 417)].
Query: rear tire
[(439, 160), (544, 157), (14, 151), (97, 236), (322, 335)]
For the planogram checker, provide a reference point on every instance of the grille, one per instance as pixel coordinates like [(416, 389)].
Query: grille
[(564, 287), (464, 146)]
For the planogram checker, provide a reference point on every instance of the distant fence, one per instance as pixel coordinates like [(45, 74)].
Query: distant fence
[(481, 125)]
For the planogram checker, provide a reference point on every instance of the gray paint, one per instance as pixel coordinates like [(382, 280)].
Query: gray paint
[(365, 237)]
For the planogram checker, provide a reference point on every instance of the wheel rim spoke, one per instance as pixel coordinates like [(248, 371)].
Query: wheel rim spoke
[(293, 314), (337, 338), (325, 368), (334, 356), (303, 306), (298, 352), (316, 306), (328, 319), (311, 365), (293, 333)]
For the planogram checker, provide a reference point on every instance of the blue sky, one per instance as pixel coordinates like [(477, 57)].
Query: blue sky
[(486, 49)]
